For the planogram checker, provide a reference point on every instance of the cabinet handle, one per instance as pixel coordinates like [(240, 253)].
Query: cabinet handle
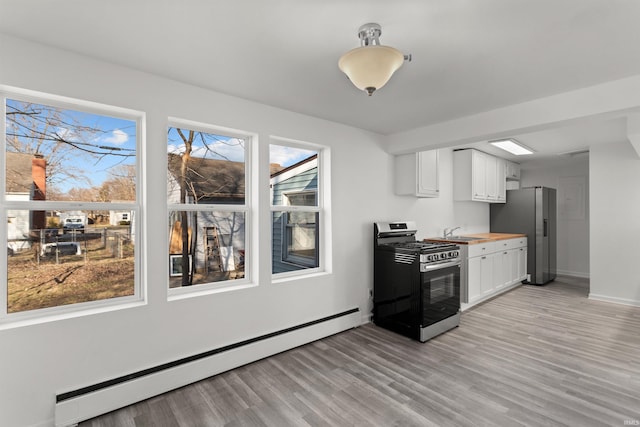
[(504, 253), (484, 257)]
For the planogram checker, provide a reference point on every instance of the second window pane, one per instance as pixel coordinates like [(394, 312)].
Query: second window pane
[(211, 248)]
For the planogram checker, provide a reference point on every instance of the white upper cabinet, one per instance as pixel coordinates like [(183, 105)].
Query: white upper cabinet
[(513, 171), (416, 174), (478, 176)]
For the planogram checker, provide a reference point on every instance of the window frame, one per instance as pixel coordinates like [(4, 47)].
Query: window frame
[(135, 206), (322, 210), (250, 140)]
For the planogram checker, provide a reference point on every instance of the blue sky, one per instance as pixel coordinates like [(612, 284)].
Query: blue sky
[(111, 137), (115, 140), (230, 148)]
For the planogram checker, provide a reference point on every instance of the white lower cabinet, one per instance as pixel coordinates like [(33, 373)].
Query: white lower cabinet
[(480, 276), (521, 269), (492, 268)]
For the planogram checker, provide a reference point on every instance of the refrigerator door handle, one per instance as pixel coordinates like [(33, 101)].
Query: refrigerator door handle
[(546, 226)]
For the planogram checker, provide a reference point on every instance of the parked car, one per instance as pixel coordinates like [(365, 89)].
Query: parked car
[(73, 224)]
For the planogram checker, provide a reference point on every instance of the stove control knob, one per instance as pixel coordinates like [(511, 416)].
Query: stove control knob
[(443, 256), (429, 258)]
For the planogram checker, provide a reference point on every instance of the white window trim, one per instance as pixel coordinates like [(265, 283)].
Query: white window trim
[(10, 320), (251, 138), (323, 163)]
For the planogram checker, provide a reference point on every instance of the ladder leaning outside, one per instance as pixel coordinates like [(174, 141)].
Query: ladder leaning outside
[(212, 249)]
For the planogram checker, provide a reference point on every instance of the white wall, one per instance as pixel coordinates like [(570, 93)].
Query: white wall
[(615, 223), (37, 361), (572, 228)]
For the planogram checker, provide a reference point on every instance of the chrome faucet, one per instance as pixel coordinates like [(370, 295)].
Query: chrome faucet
[(449, 232)]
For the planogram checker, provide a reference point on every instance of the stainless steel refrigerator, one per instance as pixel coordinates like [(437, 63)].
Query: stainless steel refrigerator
[(531, 211)]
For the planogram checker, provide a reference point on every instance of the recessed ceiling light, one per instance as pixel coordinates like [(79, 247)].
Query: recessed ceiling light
[(512, 146)]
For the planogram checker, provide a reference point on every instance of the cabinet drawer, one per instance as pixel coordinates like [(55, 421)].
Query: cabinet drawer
[(482, 249), (509, 244), (520, 242)]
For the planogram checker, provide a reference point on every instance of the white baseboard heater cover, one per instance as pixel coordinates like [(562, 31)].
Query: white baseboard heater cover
[(83, 404)]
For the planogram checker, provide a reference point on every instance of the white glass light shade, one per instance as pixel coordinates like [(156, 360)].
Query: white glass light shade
[(370, 67)]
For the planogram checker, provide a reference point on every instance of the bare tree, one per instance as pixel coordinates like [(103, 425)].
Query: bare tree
[(187, 279), (61, 138), (201, 178), (121, 186)]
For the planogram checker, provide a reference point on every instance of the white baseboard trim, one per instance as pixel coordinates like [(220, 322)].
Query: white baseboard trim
[(71, 411), (580, 275), (616, 300)]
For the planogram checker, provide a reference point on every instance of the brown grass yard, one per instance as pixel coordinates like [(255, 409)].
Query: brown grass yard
[(33, 285)]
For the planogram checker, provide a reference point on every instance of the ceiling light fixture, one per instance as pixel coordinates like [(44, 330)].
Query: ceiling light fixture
[(512, 146), (370, 66)]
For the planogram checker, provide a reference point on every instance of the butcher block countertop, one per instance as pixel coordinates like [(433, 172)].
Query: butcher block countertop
[(478, 238)]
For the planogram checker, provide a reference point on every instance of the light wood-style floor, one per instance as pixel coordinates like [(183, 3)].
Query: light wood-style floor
[(535, 356)]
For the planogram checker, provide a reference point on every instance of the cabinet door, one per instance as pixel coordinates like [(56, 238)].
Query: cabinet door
[(416, 174), (513, 170), (522, 264), (510, 266), (474, 277), (479, 177), (501, 177), (498, 270), (491, 177), (505, 268), (487, 285), (427, 174)]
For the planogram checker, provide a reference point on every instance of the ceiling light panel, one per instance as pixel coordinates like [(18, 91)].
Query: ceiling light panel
[(512, 146)]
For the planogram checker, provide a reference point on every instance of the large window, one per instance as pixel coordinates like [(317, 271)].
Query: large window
[(296, 208), (70, 205), (208, 208)]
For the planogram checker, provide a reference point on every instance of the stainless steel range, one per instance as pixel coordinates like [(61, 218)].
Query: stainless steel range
[(416, 289)]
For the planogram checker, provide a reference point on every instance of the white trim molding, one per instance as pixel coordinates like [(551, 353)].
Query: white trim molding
[(615, 300)]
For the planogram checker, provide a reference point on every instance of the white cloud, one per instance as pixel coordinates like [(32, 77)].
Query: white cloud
[(67, 134), (286, 156), (117, 137)]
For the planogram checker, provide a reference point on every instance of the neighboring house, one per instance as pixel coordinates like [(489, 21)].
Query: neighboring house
[(120, 217), (26, 180), (209, 181), (294, 247)]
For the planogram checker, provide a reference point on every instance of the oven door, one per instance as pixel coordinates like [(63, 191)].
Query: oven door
[(440, 291)]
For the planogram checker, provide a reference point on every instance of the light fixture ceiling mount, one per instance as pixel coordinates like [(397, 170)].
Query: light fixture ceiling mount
[(512, 146), (370, 66)]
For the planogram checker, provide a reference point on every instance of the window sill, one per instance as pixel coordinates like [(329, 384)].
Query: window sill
[(196, 291), (298, 275), (19, 320)]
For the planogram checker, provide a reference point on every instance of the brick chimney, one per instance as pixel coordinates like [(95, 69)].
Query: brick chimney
[(39, 176)]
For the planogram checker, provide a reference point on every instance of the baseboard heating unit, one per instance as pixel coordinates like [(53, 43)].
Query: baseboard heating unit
[(82, 404)]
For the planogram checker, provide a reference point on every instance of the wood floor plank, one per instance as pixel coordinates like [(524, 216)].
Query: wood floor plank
[(534, 356)]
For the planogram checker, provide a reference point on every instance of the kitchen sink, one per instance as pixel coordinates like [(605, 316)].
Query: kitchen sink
[(463, 238)]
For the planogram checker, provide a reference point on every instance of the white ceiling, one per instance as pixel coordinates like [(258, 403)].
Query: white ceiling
[(469, 56)]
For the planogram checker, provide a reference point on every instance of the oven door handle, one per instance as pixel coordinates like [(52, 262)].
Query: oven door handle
[(430, 267)]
